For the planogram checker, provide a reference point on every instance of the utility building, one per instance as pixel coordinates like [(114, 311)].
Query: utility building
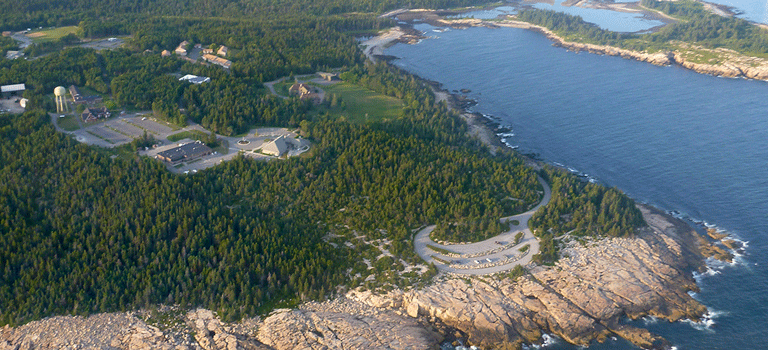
[(8, 90)]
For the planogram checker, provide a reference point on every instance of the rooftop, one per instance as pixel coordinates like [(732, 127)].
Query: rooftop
[(185, 151), (277, 148), (13, 88), (194, 79)]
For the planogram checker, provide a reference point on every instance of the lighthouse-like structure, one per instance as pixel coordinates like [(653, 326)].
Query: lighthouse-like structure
[(61, 102)]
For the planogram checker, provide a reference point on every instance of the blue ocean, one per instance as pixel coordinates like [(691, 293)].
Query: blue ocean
[(691, 144)]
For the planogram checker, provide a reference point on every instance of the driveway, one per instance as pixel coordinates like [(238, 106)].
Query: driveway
[(493, 255)]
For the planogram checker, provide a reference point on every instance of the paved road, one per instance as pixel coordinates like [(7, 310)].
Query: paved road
[(271, 86), (23, 39), (422, 239)]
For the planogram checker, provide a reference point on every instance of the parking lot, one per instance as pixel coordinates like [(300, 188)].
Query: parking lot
[(150, 125), (9, 105), (106, 44), (122, 130)]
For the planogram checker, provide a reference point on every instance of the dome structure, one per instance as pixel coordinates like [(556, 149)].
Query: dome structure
[(59, 91)]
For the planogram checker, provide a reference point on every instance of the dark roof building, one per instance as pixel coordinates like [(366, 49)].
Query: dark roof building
[(305, 92), (78, 97), (185, 153), (94, 114)]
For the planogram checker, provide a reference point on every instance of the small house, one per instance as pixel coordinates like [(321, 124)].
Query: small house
[(329, 76), (182, 48), (94, 114)]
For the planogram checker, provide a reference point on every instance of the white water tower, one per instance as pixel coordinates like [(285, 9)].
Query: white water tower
[(61, 102)]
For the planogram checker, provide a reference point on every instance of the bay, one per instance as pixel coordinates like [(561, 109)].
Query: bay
[(682, 141)]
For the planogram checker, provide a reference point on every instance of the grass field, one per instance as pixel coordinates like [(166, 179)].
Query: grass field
[(68, 123), (361, 105), (191, 134), (44, 35), (282, 87)]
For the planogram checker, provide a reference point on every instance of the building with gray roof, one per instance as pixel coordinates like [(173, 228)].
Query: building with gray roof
[(277, 148), (185, 153)]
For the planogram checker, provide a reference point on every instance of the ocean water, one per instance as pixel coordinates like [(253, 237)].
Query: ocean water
[(606, 19), (682, 141), (751, 10)]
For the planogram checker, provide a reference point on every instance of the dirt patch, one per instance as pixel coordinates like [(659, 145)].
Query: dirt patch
[(36, 35)]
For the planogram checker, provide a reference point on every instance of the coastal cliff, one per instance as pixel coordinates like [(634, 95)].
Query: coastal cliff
[(585, 297)]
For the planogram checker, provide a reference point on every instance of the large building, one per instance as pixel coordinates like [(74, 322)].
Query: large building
[(276, 148), (222, 51), (185, 153)]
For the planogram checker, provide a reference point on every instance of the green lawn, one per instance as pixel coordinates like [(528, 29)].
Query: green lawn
[(45, 35), (68, 123), (282, 87), (223, 147), (361, 105), (191, 134)]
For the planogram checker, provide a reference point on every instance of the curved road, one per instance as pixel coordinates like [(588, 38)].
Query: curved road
[(422, 239)]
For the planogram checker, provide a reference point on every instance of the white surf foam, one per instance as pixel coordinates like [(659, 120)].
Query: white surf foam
[(649, 320), (707, 321), (546, 340)]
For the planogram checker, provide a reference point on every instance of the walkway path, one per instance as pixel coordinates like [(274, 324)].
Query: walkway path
[(271, 86), (485, 253)]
